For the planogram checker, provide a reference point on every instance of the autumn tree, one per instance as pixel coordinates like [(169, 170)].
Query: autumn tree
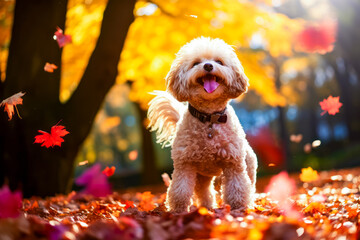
[(35, 169)]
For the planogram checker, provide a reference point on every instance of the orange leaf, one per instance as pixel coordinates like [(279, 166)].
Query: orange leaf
[(49, 67), (109, 171), (146, 201), (53, 138), (11, 102), (330, 105), (308, 175)]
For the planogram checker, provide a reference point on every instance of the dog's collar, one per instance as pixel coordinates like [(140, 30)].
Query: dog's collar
[(217, 117)]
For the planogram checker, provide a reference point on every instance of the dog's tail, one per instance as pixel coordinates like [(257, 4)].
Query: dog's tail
[(164, 112)]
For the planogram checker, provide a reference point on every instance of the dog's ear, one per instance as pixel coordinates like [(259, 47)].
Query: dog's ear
[(240, 82), (175, 84)]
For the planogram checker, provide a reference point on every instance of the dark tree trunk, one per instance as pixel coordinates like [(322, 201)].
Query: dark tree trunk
[(35, 169), (283, 132), (346, 97), (149, 173)]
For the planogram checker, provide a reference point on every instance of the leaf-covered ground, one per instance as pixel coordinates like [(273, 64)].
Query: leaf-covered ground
[(327, 208)]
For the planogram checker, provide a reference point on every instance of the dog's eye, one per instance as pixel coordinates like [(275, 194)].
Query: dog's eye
[(219, 62), (195, 63)]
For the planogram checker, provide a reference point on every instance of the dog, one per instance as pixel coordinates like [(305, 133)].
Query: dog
[(206, 136)]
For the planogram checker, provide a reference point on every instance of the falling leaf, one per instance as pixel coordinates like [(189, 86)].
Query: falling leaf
[(53, 138), (307, 148), (95, 182), (133, 155), (166, 179), (49, 67), (11, 102), (296, 138), (308, 175), (330, 105), (62, 39), (109, 171), (318, 37), (280, 188), (83, 163), (10, 203)]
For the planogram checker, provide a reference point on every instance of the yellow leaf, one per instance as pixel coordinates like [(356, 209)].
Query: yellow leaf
[(308, 175)]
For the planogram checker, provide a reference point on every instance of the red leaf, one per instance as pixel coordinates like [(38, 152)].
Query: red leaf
[(62, 39), (10, 203), (51, 139), (318, 37), (11, 102), (330, 105), (95, 182), (49, 67), (109, 171)]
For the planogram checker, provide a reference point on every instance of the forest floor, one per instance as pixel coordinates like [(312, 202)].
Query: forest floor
[(327, 208)]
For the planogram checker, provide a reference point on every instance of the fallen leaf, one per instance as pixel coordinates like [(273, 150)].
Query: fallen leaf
[(49, 67), (146, 201), (330, 105), (109, 171), (61, 38), (10, 203), (11, 102), (308, 175), (315, 207), (53, 138), (95, 182)]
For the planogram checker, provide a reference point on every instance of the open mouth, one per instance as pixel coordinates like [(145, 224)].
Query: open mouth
[(210, 82)]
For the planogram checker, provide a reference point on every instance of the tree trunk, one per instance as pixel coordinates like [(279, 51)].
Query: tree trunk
[(35, 169), (284, 135), (150, 174)]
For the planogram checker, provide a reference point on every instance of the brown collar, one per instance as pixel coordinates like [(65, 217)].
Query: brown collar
[(217, 117)]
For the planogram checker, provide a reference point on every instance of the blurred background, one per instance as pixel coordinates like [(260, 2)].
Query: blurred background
[(296, 53)]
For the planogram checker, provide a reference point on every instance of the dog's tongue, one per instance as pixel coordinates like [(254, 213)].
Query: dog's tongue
[(210, 83)]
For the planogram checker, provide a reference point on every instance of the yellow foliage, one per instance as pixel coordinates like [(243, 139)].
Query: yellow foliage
[(83, 21), (159, 32), (162, 27), (6, 18)]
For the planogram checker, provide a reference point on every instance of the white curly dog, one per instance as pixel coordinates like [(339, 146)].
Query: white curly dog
[(206, 136)]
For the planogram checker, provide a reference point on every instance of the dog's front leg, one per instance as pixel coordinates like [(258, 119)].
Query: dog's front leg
[(237, 190), (181, 189)]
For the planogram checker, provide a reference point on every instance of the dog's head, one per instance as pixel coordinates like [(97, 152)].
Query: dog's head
[(207, 69)]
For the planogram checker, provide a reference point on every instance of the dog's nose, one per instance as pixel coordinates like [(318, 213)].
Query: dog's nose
[(208, 67)]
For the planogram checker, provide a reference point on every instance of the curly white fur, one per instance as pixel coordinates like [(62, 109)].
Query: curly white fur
[(163, 114), (198, 158)]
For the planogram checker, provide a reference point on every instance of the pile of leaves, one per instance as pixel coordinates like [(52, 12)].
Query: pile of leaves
[(319, 206)]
